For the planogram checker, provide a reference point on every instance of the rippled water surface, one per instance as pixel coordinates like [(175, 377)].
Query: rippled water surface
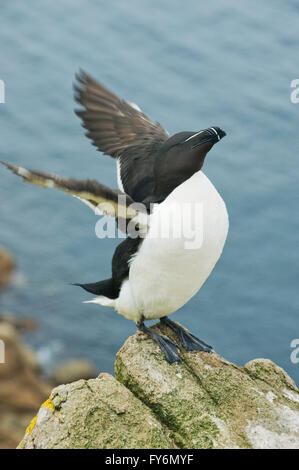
[(228, 64)]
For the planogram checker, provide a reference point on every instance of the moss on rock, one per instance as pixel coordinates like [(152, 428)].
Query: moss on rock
[(202, 402)]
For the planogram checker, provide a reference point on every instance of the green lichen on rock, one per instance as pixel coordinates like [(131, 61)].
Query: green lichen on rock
[(207, 401), (169, 390), (202, 402), (96, 413)]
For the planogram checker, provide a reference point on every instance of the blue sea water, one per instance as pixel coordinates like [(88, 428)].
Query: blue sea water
[(190, 66)]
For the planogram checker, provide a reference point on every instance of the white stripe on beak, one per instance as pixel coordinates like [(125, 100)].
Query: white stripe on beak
[(194, 135), (212, 128)]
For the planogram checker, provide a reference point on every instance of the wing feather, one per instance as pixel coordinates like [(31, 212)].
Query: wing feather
[(106, 200), (119, 129)]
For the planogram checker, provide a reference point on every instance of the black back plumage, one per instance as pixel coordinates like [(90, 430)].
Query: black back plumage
[(151, 165)]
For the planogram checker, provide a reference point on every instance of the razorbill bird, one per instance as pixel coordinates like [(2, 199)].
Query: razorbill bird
[(153, 275)]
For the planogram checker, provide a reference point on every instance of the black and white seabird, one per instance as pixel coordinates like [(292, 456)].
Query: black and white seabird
[(152, 275)]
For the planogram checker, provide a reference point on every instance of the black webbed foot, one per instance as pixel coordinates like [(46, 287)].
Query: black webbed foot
[(168, 347), (189, 341)]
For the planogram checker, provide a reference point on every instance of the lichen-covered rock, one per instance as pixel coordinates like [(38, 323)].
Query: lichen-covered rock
[(202, 402), (95, 413)]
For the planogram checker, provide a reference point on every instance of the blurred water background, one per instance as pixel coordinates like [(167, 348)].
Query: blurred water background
[(188, 66)]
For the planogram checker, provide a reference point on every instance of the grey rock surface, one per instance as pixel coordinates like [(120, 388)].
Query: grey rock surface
[(202, 402)]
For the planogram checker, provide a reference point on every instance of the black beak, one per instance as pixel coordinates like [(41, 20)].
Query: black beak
[(214, 135), (219, 133)]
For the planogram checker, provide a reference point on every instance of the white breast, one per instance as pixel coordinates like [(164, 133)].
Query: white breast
[(186, 237)]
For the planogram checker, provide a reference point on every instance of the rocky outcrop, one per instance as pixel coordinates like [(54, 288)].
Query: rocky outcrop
[(202, 402), (21, 388), (7, 266), (20, 324), (72, 370)]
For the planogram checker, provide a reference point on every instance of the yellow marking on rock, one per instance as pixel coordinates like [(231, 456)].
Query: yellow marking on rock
[(31, 425), (47, 404)]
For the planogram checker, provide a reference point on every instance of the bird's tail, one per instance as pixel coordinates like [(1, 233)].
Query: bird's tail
[(103, 289)]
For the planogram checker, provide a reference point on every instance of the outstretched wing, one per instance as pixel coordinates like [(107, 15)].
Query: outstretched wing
[(101, 198), (121, 130)]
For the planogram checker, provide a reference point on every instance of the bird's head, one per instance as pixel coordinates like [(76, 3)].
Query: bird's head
[(182, 155), (191, 147), (202, 140)]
